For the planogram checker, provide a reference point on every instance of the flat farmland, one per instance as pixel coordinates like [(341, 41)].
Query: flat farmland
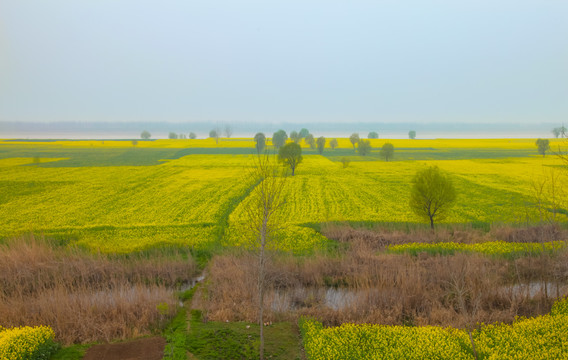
[(116, 196)]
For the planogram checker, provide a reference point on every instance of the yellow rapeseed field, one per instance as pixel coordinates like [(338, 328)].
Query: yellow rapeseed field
[(500, 248), (23, 343), (542, 337), (196, 200)]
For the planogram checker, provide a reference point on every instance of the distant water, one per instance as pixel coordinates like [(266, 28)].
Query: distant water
[(329, 134)]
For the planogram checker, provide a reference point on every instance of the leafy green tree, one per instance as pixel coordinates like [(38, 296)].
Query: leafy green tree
[(172, 135), (279, 138), (134, 142), (295, 136), (543, 146), (412, 134), (291, 155), (310, 141), (373, 135), (387, 151), (333, 143), (354, 138), (260, 140), (192, 135), (145, 135), (432, 195), (364, 148), (215, 133), (320, 144), (345, 161), (303, 133)]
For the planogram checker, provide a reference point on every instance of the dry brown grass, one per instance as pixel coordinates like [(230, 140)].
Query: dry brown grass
[(541, 233), (386, 288), (86, 297), (379, 238)]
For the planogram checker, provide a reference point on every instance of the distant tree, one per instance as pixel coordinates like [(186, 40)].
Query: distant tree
[(543, 146), (373, 135), (145, 135), (215, 135), (303, 133), (134, 142), (432, 194), (333, 143), (354, 138), (412, 134), (172, 135), (320, 144), (182, 136), (310, 141), (260, 140), (387, 151), (37, 159), (279, 138), (192, 135), (364, 148), (291, 155), (228, 131), (345, 161), (295, 136), (559, 132)]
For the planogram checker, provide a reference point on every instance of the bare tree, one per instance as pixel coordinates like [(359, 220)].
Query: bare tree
[(262, 221), (561, 153), (467, 294), (228, 131)]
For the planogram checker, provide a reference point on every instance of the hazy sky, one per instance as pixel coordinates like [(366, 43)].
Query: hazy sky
[(305, 60)]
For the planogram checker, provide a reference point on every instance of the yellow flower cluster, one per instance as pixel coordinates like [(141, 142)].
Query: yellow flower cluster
[(26, 343), (542, 337), (370, 341), (500, 248)]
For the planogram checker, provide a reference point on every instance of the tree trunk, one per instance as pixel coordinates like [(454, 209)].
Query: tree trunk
[(472, 344), (261, 301), (261, 262), (432, 223)]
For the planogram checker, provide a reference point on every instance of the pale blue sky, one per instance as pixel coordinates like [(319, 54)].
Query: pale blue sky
[(319, 61)]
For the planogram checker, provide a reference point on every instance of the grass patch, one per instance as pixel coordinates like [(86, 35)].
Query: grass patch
[(240, 340), (73, 352)]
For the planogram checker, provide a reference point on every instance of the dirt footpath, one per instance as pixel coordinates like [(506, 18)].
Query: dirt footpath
[(142, 349)]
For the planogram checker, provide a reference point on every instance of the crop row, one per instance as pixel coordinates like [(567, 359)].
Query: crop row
[(500, 248), (26, 343), (542, 337), (115, 208)]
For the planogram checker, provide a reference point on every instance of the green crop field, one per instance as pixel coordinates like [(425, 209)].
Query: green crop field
[(116, 197)]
